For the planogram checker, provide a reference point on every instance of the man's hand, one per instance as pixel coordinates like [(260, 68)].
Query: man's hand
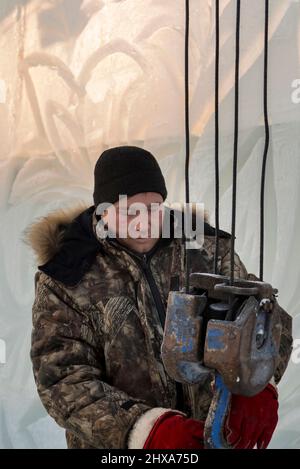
[(252, 420), (174, 431)]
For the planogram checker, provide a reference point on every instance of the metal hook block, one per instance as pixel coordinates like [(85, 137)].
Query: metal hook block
[(180, 350)]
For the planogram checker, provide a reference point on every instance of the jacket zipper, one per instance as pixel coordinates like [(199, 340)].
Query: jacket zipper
[(143, 261), (154, 290), (162, 315)]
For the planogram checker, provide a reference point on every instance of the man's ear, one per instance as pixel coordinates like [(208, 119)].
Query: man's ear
[(98, 217)]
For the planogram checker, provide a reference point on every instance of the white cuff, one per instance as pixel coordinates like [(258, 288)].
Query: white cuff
[(144, 424)]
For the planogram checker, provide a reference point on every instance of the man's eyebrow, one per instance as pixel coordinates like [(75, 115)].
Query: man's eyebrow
[(148, 206), (152, 203)]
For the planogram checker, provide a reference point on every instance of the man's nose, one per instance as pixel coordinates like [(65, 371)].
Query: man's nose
[(144, 224)]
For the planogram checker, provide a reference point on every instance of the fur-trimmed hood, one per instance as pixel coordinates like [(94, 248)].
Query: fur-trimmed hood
[(45, 235), (64, 242)]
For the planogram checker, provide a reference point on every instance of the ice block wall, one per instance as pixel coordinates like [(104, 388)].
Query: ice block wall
[(78, 76)]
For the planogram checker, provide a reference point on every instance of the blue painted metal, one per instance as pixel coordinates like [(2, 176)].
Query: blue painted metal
[(220, 413), (216, 438), (215, 339)]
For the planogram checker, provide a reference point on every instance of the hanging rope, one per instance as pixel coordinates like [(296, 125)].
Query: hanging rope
[(236, 137), (187, 136), (217, 179), (267, 141)]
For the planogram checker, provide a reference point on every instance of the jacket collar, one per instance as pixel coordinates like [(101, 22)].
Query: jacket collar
[(115, 246), (77, 252), (65, 243)]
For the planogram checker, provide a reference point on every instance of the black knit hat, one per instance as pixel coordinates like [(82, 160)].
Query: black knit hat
[(126, 170)]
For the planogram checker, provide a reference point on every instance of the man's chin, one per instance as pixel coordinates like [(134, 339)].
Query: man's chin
[(143, 244)]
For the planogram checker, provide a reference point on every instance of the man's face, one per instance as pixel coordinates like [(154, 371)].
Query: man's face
[(141, 225)]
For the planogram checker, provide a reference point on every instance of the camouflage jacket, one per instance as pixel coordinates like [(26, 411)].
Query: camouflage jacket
[(98, 328)]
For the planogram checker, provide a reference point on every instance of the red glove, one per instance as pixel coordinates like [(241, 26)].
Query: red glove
[(174, 431), (252, 420)]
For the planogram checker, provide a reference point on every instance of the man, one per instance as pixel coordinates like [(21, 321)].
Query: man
[(98, 321)]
